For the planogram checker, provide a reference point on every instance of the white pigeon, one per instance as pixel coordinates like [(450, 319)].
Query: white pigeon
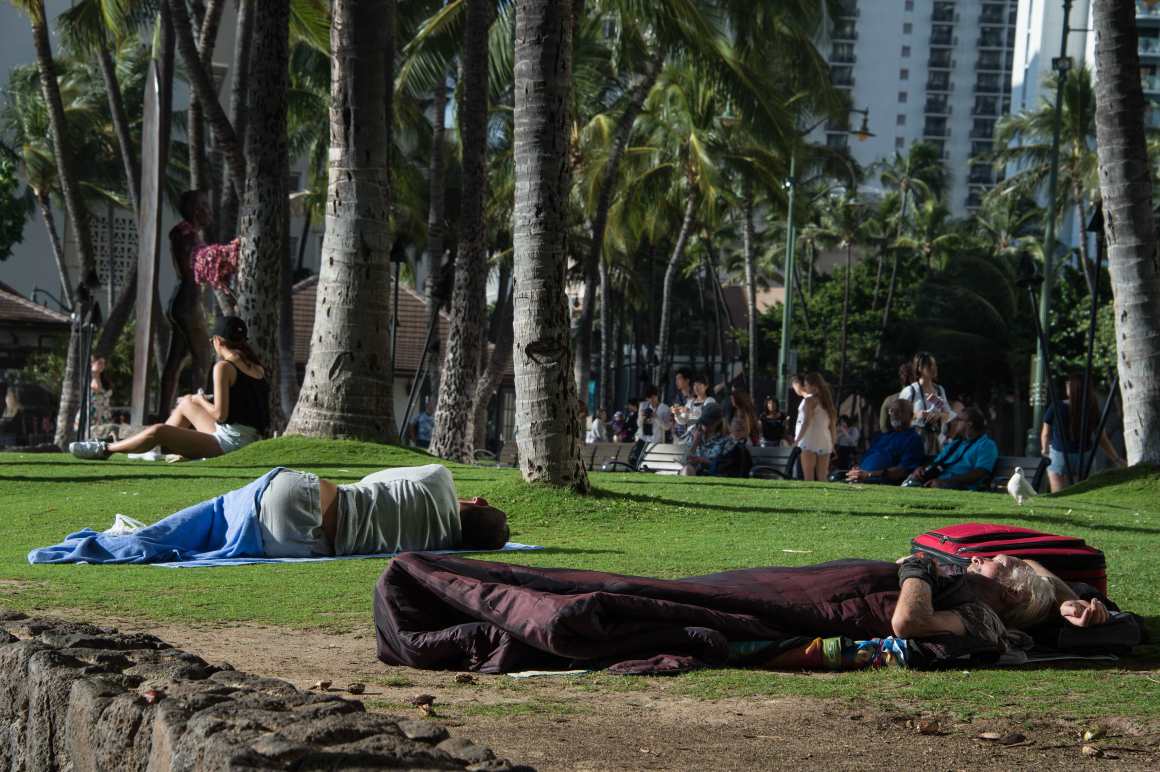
[(1018, 487)]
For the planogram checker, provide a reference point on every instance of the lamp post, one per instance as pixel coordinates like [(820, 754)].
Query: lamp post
[(1061, 65), (862, 134)]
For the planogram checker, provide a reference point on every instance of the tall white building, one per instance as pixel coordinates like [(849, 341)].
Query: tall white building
[(937, 71), (1038, 34)]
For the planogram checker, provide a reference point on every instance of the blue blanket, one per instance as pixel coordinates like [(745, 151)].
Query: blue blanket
[(222, 527)]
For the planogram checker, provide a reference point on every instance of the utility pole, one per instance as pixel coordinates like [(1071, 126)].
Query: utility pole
[(1061, 65)]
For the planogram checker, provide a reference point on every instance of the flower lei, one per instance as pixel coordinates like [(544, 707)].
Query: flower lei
[(215, 264)]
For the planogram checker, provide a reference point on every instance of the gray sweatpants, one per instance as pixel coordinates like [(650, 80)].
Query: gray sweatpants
[(290, 516)]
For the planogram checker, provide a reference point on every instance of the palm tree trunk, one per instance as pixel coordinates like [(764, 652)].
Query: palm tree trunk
[(206, 93), (1086, 265), (44, 204), (120, 125), (207, 23), (878, 278), (243, 38), (69, 393), (452, 436), (1126, 189), (547, 412), (58, 129), (603, 388), (750, 288), (638, 92), (663, 354), (262, 288), (845, 323), (348, 391), (501, 355), (893, 283), (436, 207)]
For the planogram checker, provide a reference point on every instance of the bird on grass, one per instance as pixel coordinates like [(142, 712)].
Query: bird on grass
[(1019, 488)]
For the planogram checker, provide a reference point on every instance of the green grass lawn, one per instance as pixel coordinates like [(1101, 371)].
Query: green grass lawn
[(634, 524)]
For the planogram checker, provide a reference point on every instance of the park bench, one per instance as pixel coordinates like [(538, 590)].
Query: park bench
[(1034, 470), (774, 461), (597, 454), (657, 458)]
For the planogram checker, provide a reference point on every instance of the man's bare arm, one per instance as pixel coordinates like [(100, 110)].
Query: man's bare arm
[(915, 617)]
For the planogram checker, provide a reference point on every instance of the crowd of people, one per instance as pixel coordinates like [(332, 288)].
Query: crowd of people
[(923, 439)]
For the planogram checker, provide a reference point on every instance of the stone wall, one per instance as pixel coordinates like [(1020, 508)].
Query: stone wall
[(75, 696)]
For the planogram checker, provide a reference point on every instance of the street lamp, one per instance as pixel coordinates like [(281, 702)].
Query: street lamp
[(862, 134), (1061, 64)]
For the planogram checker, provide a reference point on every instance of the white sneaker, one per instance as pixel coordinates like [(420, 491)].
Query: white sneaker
[(92, 450), (149, 455)]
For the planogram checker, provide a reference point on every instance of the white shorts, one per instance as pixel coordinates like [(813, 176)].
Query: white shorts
[(234, 436)]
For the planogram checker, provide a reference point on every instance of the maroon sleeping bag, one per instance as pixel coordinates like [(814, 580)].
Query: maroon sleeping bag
[(444, 612)]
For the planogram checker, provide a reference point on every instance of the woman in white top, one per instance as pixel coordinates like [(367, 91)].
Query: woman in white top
[(687, 416), (816, 427), (932, 412), (597, 429)]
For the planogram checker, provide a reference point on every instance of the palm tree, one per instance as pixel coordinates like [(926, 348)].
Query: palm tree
[(453, 436), (263, 274), (915, 177), (1024, 142), (547, 412), (1126, 188), (930, 234), (842, 225), (348, 386)]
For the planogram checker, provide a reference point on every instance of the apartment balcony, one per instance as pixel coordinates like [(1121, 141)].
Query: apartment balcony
[(988, 84), (991, 38), (1149, 47), (979, 132), (940, 59), (1147, 12), (993, 14), (842, 57), (989, 60), (939, 81), (847, 9), (1151, 83), (842, 78), (944, 12), (937, 107), (844, 30), (981, 175), (936, 131), (942, 36)]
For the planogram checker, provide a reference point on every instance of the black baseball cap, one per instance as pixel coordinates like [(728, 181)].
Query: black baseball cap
[(231, 329)]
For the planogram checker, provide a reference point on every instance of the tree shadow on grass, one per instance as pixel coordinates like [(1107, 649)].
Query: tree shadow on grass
[(574, 551), (117, 478)]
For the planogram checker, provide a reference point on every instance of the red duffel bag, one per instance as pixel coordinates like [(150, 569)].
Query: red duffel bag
[(1068, 557)]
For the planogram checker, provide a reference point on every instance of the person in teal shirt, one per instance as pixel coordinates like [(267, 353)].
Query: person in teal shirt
[(966, 462)]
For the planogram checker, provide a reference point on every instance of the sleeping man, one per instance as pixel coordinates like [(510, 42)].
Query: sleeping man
[(837, 615), (393, 510), (290, 514)]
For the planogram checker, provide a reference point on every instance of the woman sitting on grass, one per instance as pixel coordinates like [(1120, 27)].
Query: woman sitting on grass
[(204, 426)]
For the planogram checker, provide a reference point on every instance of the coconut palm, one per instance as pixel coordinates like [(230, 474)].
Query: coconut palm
[(930, 234), (843, 225), (263, 275), (547, 412), (1024, 143), (453, 436), (915, 177), (1126, 189), (348, 387)]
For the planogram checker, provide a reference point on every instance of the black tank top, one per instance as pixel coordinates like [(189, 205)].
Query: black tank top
[(249, 402)]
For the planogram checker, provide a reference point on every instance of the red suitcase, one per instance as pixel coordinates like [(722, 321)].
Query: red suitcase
[(1068, 557)]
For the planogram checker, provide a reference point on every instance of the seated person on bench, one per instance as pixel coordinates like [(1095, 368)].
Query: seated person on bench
[(894, 454), (410, 508), (966, 462)]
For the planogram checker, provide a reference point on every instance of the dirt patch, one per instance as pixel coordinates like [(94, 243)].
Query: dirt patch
[(562, 723)]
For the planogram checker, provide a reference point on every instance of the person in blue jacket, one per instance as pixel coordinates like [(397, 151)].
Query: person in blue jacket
[(894, 454)]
